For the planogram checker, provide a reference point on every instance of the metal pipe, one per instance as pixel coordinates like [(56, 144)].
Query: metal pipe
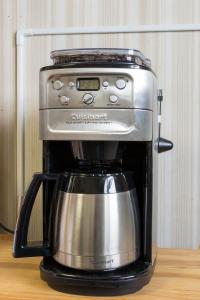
[(20, 123), (107, 29)]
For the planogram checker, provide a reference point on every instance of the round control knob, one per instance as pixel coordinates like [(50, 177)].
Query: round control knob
[(113, 98), (71, 84), (88, 98), (105, 83), (120, 84), (57, 84), (64, 99)]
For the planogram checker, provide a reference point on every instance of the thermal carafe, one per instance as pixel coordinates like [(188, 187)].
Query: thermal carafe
[(97, 223)]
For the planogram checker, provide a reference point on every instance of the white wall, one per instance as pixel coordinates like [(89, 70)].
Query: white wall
[(175, 59)]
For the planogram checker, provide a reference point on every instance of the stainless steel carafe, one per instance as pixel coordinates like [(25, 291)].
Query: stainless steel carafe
[(97, 221), (94, 220)]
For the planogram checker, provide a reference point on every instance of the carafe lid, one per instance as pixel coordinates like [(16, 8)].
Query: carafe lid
[(100, 55), (97, 183)]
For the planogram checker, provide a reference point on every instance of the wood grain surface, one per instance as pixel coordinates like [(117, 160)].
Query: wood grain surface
[(176, 277)]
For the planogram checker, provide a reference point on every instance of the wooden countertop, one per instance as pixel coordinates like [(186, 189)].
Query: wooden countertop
[(177, 276)]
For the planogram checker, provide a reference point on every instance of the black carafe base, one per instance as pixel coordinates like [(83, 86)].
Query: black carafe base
[(125, 280)]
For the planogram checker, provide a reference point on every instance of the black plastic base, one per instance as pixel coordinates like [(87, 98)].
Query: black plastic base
[(125, 280)]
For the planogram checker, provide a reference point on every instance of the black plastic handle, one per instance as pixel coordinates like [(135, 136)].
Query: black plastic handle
[(20, 246), (162, 144)]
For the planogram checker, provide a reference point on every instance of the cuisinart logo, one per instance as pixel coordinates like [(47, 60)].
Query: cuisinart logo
[(95, 117)]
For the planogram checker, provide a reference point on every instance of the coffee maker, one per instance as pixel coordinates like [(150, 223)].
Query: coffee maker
[(100, 126)]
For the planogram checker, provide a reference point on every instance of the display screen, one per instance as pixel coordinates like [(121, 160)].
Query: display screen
[(88, 84)]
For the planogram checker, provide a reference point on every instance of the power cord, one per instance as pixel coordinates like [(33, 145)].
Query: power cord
[(4, 228)]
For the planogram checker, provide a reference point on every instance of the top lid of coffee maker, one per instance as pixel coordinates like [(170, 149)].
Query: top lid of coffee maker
[(100, 55)]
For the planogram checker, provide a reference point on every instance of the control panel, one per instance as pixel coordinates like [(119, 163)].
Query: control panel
[(90, 91)]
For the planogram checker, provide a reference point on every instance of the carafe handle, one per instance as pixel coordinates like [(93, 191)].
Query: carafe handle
[(20, 245)]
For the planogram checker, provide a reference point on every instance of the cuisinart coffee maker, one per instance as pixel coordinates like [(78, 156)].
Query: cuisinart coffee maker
[(99, 124)]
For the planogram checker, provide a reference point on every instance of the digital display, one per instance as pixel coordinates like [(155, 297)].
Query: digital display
[(88, 84)]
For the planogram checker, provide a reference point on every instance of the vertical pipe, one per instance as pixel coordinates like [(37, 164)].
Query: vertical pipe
[(20, 117)]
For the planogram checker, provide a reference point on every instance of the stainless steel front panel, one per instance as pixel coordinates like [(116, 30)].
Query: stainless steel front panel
[(101, 96), (97, 232), (98, 124), (138, 92)]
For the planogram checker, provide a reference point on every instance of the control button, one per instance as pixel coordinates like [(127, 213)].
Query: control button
[(57, 84), (120, 84), (105, 83), (64, 99), (88, 98), (71, 84), (113, 98)]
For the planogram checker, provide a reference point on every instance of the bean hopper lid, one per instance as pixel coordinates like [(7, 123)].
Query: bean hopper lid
[(100, 55)]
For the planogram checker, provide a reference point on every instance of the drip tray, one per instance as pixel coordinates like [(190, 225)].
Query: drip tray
[(125, 280)]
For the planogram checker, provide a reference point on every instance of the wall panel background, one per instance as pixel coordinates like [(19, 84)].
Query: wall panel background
[(8, 25), (175, 59)]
